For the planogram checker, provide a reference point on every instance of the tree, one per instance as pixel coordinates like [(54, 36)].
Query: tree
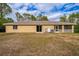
[(33, 18), (4, 20), (29, 17), (76, 28), (73, 18), (63, 19), (4, 9), (42, 18), (19, 16)]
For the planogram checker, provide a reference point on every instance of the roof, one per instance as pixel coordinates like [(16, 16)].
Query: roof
[(40, 23)]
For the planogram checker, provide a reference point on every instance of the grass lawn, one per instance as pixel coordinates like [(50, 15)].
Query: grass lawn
[(44, 44)]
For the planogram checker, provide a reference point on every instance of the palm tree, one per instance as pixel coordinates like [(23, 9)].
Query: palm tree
[(4, 9)]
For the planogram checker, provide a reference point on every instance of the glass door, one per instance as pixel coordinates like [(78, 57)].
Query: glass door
[(39, 28), (56, 28)]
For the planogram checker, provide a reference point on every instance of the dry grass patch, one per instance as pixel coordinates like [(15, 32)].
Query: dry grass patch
[(39, 44)]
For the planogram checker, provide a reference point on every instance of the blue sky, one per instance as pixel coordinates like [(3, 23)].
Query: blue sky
[(52, 10)]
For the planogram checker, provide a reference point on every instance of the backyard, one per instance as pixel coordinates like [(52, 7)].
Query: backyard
[(39, 44)]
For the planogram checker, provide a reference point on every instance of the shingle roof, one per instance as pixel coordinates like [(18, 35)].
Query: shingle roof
[(40, 23)]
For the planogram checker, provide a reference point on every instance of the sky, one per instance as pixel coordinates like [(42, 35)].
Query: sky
[(52, 10)]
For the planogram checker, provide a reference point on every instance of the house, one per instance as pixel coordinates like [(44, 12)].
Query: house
[(39, 27)]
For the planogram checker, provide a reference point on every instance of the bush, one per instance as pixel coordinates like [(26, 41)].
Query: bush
[(2, 29), (2, 21), (76, 28)]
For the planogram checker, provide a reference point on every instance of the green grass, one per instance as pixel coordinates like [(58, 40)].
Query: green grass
[(41, 44)]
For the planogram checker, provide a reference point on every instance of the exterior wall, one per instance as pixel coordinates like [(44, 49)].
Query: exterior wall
[(72, 28), (27, 28), (9, 29), (62, 28)]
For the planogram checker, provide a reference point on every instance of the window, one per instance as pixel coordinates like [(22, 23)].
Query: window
[(38, 28), (67, 26), (14, 26), (60, 26)]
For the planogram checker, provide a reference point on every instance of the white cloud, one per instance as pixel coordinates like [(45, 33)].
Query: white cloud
[(55, 15), (48, 8), (70, 12)]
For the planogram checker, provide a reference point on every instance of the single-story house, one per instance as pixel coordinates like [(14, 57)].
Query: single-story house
[(39, 27)]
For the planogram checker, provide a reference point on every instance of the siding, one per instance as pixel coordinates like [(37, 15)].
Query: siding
[(9, 29), (32, 28)]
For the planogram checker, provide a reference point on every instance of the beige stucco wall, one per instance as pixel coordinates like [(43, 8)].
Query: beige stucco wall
[(9, 29)]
